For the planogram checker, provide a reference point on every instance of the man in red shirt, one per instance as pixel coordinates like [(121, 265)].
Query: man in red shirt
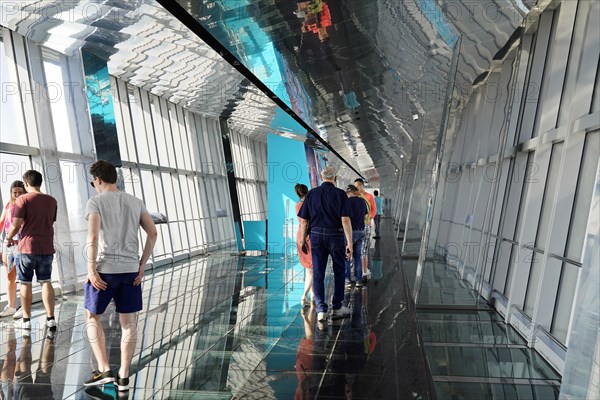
[(37, 213), (360, 185)]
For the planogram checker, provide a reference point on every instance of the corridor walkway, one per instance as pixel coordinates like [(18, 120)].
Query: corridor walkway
[(224, 326), (230, 327)]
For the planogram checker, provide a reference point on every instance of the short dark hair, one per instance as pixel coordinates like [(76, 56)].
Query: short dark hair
[(301, 189), (376, 192), (361, 180), (33, 178), (351, 188), (104, 170)]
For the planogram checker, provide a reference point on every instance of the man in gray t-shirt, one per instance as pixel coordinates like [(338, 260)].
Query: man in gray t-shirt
[(120, 213), (115, 270)]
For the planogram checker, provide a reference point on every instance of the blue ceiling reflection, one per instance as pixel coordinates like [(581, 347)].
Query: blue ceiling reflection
[(356, 71)]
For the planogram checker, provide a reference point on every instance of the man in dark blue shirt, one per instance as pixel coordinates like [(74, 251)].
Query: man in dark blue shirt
[(358, 209), (327, 210)]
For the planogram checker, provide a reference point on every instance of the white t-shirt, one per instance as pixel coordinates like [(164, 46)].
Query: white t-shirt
[(120, 216)]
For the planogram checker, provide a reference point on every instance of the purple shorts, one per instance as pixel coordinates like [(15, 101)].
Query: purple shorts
[(128, 298)]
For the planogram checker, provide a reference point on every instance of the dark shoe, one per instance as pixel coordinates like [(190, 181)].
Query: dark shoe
[(122, 384), (96, 393), (360, 283), (100, 378)]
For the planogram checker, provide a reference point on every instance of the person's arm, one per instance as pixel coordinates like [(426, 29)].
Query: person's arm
[(347, 224), (304, 223), (14, 229), (3, 217), (304, 218), (151, 235), (92, 252), (373, 206), (303, 234)]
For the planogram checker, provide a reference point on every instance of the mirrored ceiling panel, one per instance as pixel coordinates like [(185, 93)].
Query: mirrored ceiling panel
[(357, 71)]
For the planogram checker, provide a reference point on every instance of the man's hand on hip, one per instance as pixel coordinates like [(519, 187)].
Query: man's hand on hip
[(94, 278)]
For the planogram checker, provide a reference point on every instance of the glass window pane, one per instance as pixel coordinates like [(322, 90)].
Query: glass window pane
[(564, 302), (67, 140), (139, 129), (533, 283), (13, 167), (157, 120), (178, 153), (514, 250), (162, 207), (550, 191), (74, 180), (585, 187), (12, 127), (167, 124), (128, 181), (147, 181)]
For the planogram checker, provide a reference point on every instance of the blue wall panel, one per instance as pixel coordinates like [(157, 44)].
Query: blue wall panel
[(287, 166)]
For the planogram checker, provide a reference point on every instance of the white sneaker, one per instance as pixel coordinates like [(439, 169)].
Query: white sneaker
[(322, 316), (51, 324), (8, 311), (342, 312), (18, 314), (20, 324)]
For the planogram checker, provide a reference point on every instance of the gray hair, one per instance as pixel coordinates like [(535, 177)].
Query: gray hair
[(328, 172)]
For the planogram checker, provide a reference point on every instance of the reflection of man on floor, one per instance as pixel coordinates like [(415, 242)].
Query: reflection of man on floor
[(304, 356), (24, 385), (10, 360)]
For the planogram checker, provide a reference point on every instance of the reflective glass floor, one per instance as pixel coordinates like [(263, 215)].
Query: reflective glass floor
[(471, 352), (229, 327)]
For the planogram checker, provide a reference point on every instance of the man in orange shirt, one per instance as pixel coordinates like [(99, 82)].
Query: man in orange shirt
[(360, 185)]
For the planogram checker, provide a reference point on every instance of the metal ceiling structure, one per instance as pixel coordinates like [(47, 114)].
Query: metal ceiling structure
[(356, 72)]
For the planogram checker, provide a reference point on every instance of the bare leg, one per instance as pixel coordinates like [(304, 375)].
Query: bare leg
[(308, 278), (128, 341), (309, 273), (24, 362), (11, 279), (10, 359), (12, 288), (47, 359), (48, 298), (95, 335), (26, 299)]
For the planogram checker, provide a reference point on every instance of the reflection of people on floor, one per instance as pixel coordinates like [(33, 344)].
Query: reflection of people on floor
[(377, 263), (10, 360), (304, 356), (24, 385), (354, 337), (353, 346)]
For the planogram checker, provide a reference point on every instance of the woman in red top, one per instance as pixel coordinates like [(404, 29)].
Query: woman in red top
[(17, 188), (305, 258)]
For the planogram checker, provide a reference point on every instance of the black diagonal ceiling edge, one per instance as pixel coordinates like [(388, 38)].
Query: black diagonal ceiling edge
[(192, 24)]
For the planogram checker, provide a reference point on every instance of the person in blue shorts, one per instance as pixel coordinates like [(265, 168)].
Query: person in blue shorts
[(115, 269)]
